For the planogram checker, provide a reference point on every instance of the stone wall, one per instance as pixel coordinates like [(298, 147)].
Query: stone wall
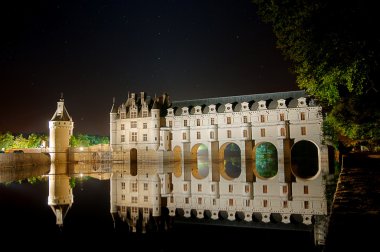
[(24, 159)]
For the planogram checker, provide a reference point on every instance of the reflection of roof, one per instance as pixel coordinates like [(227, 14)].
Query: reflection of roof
[(253, 99), (60, 212)]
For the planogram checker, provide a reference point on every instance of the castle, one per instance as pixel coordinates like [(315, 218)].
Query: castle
[(249, 157)]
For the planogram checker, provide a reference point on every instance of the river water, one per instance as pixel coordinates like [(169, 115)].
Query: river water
[(28, 222)]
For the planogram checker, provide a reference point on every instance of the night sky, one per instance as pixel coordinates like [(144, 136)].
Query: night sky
[(95, 50)]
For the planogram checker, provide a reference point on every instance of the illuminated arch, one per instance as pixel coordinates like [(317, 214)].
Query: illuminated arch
[(304, 159), (265, 163), (230, 157), (200, 161), (177, 153)]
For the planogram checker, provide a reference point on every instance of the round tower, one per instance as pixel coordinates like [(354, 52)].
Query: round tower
[(60, 192), (155, 120), (60, 130)]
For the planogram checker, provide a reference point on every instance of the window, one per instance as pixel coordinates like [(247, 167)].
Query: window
[(282, 117), (247, 203), (212, 188), (230, 202), (198, 122), (145, 125), (185, 123), (265, 203), (199, 188), (123, 197), (133, 114), (199, 201), (214, 202), (245, 119), (171, 199), (185, 187), (145, 137), (122, 138), (122, 185), (282, 131), (198, 135), (302, 115), (303, 131), (170, 123), (262, 132), (262, 118), (212, 121), (284, 189), (122, 126), (229, 135), (146, 210), (305, 189), (186, 200), (134, 200), (134, 137), (123, 208), (133, 124), (245, 133), (134, 187), (230, 188), (306, 204), (145, 113), (285, 204), (228, 120), (145, 198), (212, 135), (246, 189), (145, 186), (265, 189), (122, 115), (184, 136)]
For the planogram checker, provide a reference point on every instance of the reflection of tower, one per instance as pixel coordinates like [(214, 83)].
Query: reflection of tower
[(61, 128), (113, 128), (60, 193)]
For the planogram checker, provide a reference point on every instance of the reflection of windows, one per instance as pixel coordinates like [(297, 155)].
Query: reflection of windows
[(284, 189), (214, 202), (265, 203), (282, 131), (185, 187), (123, 197), (134, 187), (186, 200), (212, 135), (123, 208), (262, 118), (145, 125), (134, 137), (306, 204), (265, 189), (171, 199), (170, 123), (212, 121), (245, 133), (184, 135), (133, 114), (198, 135), (199, 201), (198, 122), (228, 120), (305, 189), (134, 200), (185, 123), (285, 204), (302, 115), (145, 113), (245, 119), (212, 188), (145, 198), (122, 138), (134, 210), (145, 186), (122, 126), (247, 188), (199, 188), (122, 185), (145, 137), (230, 188), (230, 202), (247, 203)]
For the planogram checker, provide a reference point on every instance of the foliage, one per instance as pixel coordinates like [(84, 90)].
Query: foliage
[(335, 52), (82, 140), (6, 140), (9, 141)]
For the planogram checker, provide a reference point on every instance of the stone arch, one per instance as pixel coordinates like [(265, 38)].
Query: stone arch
[(304, 159), (133, 161), (200, 161), (230, 160), (265, 160), (177, 154)]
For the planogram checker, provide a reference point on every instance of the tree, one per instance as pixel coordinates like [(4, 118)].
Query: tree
[(334, 50), (6, 140), (20, 142)]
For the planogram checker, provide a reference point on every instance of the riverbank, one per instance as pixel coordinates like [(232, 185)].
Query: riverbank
[(355, 214)]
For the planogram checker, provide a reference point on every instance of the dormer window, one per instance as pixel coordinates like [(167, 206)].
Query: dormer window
[(228, 107), (198, 110), (212, 108), (170, 112), (262, 105), (301, 102), (244, 106), (281, 103), (185, 111)]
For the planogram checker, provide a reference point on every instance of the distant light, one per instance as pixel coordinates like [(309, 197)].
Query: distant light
[(81, 175), (81, 148)]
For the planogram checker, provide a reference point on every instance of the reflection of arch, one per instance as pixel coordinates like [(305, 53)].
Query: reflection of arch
[(230, 157), (133, 158), (265, 162), (177, 161), (199, 158), (304, 158)]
